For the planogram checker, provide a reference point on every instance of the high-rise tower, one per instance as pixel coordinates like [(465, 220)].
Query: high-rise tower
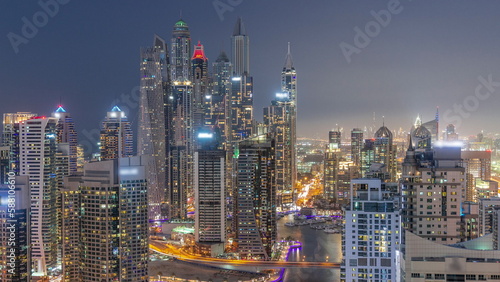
[(180, 63), (356, 146), (385, 151), (116, 135), (210, 191), (201, 94), (242, 85), (152, 137), (38, 162), (255, 197), (331, 163), (10, 137), (66, 133), (180, 135), (220, 109), (240, 49), (432, 190), (372, 235), (112, 222)]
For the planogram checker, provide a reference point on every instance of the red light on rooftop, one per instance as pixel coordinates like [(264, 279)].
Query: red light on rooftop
[(199, 53)]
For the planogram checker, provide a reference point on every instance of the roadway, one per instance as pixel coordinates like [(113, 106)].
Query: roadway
[(165, 249)]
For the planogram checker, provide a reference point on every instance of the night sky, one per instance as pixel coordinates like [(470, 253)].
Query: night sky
[(429, 54)]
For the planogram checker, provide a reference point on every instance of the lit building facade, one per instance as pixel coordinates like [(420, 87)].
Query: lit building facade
[(181, 144), (116, 136), (432, 192), (277, 120), (332, 160), (66, 133), (180, 56), (201, 89), (151, 134), (372, 234), (37, 141), (255, 197), (210, 191), (113, 221), (242, 85), (487, 209), (477, 166), (10, 136), (356, 146), (385, 151)]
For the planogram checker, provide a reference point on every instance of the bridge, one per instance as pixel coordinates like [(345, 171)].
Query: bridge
[(165, 249)]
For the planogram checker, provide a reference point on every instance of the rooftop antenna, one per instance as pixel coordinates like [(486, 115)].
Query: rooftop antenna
[(180, 14)]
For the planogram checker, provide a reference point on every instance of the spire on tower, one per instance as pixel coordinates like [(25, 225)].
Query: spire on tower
[(418, 121), (410, 143), (288, 59), (239, 28)]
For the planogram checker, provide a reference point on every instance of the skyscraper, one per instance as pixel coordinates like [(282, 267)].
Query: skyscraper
[(289, 86), (66, 133), (372, 233), (432, 191), (10, 136), (385, 151), (450, 134), (277, 118), (210, 191), (240, 49), (70, 229), (180, 135), (255, 195), (356, 146), (280, 119), (477, 166), (218, 114), (38, 162), (180, 64), (116, 136), (113, 220), (331, 163), (242, 85), (151, 134), (201, 94)]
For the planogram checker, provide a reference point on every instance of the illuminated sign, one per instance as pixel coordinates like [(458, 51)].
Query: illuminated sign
[(205, 135), (129, 171)]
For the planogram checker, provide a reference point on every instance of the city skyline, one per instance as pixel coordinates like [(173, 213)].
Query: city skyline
[(449, 58), (229, 141)]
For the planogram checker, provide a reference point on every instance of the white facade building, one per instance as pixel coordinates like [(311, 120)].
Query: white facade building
[(372, 234)]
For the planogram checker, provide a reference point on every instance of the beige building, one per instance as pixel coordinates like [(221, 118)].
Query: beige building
[(425, 260)]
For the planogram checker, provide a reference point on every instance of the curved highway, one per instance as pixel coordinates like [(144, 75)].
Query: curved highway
[(165, 249)]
